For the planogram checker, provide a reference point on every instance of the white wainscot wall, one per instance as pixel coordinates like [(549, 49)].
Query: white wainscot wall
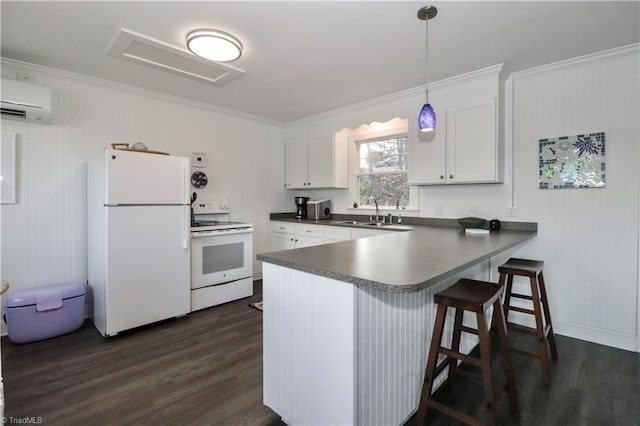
[(588, 238), (44, 233)]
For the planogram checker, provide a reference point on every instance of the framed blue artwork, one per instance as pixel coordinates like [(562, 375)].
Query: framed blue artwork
[(572, 161)]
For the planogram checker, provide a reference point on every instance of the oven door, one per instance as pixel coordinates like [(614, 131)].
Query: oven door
[(221, 256)]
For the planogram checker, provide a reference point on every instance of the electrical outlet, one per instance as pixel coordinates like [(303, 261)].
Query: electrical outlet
[(511, 212), (24, 76), (474, 211), (437, 210)]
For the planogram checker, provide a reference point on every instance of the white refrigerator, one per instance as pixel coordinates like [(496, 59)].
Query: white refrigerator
[(138, 223)]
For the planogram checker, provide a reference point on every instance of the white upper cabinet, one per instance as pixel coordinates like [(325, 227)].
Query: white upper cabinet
[(297, 153), (317, 162), (466, 146)]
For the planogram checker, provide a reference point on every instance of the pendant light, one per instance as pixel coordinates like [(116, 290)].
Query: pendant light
[(427, 117)]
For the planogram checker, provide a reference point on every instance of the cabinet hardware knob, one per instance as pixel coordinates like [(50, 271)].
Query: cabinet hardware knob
[(441, 176), (450, 176)]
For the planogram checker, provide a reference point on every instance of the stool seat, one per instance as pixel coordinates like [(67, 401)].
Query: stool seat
[(531, 269), (474, 296), (471, 295), (522, 267)]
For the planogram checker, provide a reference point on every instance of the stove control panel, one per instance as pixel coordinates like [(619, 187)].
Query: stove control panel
[(210, 206)]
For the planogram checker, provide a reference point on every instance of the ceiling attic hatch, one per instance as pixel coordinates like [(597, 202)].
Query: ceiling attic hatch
[(156, 54)]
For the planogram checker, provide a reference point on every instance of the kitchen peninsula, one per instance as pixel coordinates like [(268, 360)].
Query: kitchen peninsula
[(347, 325)]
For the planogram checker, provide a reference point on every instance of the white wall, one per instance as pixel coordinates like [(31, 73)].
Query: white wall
[(588, 238), (44, 233)]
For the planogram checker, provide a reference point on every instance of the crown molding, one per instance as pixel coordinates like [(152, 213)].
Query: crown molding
[(602, 56), (146, 92)]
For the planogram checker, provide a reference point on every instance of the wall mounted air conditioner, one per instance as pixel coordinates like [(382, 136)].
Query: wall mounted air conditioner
[(25, 102)]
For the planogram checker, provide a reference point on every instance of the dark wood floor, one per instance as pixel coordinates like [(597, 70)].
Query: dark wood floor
[(206, 369)]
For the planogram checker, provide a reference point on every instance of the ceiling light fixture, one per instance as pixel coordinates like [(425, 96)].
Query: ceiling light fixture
[(427, 117), (214, 45)]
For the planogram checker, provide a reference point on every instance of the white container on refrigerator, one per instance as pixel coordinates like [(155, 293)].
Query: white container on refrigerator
[(138, 239)]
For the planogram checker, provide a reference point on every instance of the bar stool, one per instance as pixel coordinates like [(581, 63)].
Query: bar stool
[(533, 270), (474, 296)]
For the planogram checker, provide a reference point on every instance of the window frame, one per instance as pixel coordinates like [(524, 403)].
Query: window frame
[(379, 131), (359, 174)]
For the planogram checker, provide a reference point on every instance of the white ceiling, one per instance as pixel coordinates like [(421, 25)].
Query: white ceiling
[(303, 58)]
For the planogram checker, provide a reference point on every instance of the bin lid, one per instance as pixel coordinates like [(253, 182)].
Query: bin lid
[(44, 295)]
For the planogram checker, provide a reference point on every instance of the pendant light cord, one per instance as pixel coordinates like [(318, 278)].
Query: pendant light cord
[(426, 54)]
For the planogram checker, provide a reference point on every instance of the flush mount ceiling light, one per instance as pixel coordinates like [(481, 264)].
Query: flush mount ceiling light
[(214, 45), (427, 117)]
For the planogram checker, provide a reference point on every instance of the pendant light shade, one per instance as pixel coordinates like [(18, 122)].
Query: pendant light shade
[(427, 117)]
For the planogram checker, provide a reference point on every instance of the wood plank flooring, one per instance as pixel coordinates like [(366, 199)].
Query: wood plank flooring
[(206, 369)]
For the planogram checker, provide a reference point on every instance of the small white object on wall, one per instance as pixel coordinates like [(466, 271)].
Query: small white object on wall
[(199, 159), (8, 168)]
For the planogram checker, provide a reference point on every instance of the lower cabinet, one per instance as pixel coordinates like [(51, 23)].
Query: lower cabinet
[(288, 235)]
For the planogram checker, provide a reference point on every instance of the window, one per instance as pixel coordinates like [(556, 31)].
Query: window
[(383, 171)]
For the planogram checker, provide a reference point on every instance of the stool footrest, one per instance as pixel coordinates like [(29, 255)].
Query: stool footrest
[(455, 413), (521, 296), (469, 330), (523, 310), (462, 357)]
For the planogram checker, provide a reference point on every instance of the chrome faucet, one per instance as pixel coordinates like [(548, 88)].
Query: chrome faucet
[(377, 209)]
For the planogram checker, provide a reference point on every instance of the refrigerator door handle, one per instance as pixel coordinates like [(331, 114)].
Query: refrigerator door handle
[(186, 237)]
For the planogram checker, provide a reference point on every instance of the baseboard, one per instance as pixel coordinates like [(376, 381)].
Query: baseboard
[(628, 342), (614, 339)]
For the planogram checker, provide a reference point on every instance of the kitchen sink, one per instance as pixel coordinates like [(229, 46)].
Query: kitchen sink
[(367, 223)]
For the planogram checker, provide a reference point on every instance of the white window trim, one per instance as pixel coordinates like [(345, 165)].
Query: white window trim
[(396, 126)]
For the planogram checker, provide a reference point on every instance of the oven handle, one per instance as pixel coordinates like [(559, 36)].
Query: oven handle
[(221, 232)]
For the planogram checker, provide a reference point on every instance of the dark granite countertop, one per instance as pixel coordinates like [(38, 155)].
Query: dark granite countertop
[(401, 261)]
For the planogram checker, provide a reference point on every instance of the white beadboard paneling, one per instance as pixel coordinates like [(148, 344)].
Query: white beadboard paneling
[(308, 347), (44, 234), (338, 354), (588, 238), (393, 332)]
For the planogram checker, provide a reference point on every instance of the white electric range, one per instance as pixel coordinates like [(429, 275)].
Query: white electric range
[(221, 256)]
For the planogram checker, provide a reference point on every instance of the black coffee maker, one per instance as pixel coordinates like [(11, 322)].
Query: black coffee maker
[(301, 207)]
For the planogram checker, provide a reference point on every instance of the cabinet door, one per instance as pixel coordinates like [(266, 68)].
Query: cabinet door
[(296, 164), (427, 152), (280, 241), (305, 241), (333, 234), (321, 162), (472, 143)]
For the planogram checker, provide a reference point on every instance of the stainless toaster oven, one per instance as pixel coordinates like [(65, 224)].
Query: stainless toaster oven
[(319, 209)]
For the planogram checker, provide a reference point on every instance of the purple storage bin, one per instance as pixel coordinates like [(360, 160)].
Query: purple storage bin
[(42, 312)]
